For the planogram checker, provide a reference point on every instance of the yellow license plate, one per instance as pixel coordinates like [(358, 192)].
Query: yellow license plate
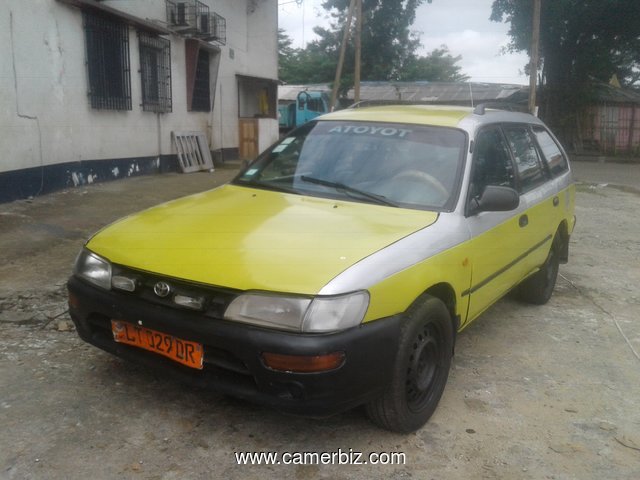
[(182, 351)]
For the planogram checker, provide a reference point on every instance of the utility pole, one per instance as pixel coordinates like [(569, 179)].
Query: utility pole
[(356, 76), (535, 56), (345, 39)]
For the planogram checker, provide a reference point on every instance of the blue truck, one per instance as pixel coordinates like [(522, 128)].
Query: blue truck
[(306, 106)]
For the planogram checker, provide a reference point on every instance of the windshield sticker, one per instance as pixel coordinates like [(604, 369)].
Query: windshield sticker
[(287, 140), (371, 130), (279, 148), (250, 172)]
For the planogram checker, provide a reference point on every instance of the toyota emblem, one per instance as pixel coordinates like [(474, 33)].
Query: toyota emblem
[(162, 289)]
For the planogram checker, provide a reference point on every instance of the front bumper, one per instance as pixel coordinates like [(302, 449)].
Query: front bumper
[(232, 352)]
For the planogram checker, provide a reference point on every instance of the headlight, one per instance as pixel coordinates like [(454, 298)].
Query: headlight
[(327, 314), (320, 314), (93, 269), (269, 311)]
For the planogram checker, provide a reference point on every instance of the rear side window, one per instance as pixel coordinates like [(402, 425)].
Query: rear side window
[(552, 154), (526, 157)]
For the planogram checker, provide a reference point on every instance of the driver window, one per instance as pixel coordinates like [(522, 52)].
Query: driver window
[(491, 162)]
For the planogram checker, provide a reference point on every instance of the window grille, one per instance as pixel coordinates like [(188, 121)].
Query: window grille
[(188, 16), (216, 30), (107, 45), (155, 72), (219, 28), (201, 101)]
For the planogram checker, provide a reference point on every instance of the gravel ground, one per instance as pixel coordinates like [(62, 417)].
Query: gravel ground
[(545, 392)]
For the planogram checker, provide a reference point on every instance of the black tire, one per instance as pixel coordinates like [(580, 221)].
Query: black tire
[(421, 369), (538, 288)]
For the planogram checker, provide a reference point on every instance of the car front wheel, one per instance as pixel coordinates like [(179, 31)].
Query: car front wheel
[(421, 369)]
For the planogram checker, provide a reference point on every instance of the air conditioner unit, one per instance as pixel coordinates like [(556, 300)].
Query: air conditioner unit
[(189, 17), (216, 29)]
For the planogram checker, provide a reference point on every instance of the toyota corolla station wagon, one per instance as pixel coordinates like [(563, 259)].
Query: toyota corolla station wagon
[(337, 268)]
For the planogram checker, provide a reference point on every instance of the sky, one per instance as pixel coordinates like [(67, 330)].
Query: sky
[(461, 25)]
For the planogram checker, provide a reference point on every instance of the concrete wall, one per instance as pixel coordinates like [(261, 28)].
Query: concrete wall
[(251, 49), (45, 115)]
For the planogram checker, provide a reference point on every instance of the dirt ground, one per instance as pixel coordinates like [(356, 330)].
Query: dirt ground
[(549, 392)]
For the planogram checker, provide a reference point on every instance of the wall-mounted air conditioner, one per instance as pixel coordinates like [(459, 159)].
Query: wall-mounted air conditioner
[(216, 30), (188, 17)]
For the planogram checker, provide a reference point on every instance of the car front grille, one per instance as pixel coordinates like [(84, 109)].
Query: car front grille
[(216, 299)]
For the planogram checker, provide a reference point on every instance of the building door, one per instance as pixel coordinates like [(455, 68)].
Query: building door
[(248, 148)]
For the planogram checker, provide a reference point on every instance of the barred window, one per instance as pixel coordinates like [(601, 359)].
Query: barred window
[(201, 100), (155, 72), (107, 44)]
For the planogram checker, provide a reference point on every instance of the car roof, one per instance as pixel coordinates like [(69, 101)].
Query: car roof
[(438, 115)]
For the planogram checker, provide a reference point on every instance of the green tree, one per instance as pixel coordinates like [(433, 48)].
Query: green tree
[(286, 54), (309, 65), (388, 48), (387, 41), (580, 40), (437, 66)]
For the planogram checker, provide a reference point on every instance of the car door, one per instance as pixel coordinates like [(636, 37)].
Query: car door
[(538, 193), (497, 238), (557, 165)]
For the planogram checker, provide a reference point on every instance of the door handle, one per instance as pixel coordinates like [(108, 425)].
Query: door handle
[(523, 221), (556, 201)]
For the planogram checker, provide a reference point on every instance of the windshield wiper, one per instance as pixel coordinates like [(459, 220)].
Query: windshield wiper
[(346, 188), (266, 186)]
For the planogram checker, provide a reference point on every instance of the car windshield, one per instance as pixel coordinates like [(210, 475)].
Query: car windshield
[(412, 166)]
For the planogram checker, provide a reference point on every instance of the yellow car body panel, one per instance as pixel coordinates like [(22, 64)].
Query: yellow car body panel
[(252, 239), (494, 267), (396, 293), (415, 114)]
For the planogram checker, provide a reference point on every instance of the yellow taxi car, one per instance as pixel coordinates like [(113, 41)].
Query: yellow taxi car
[(337, 268)]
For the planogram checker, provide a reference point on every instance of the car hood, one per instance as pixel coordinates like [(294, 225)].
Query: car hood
[(254, 239)]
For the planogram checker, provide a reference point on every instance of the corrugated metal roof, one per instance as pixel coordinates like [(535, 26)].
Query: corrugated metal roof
[(438, 92), (435, 92), (455, 93), (290, 92), (606, 93)]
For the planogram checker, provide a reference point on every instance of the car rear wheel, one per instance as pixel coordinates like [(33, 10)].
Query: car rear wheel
[(421, 369), (538, 288)]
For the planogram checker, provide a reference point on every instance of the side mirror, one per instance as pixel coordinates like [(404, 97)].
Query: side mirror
[(497, 199)]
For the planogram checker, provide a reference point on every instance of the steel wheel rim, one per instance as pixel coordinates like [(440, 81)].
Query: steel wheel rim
[(423, 368)]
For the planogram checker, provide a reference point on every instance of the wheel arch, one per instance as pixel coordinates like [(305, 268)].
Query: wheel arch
[(446, 294)]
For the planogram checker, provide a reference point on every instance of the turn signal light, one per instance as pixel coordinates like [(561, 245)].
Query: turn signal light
[(74, 304), (303, 363), (123, 283), (196, 303)]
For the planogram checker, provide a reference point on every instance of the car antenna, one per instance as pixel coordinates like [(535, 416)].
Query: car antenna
[(480, 108)]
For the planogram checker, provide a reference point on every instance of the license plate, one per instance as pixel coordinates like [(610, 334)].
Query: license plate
[(182, 351)]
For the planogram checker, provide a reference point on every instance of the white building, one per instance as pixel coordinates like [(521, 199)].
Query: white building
[(92, 90)]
